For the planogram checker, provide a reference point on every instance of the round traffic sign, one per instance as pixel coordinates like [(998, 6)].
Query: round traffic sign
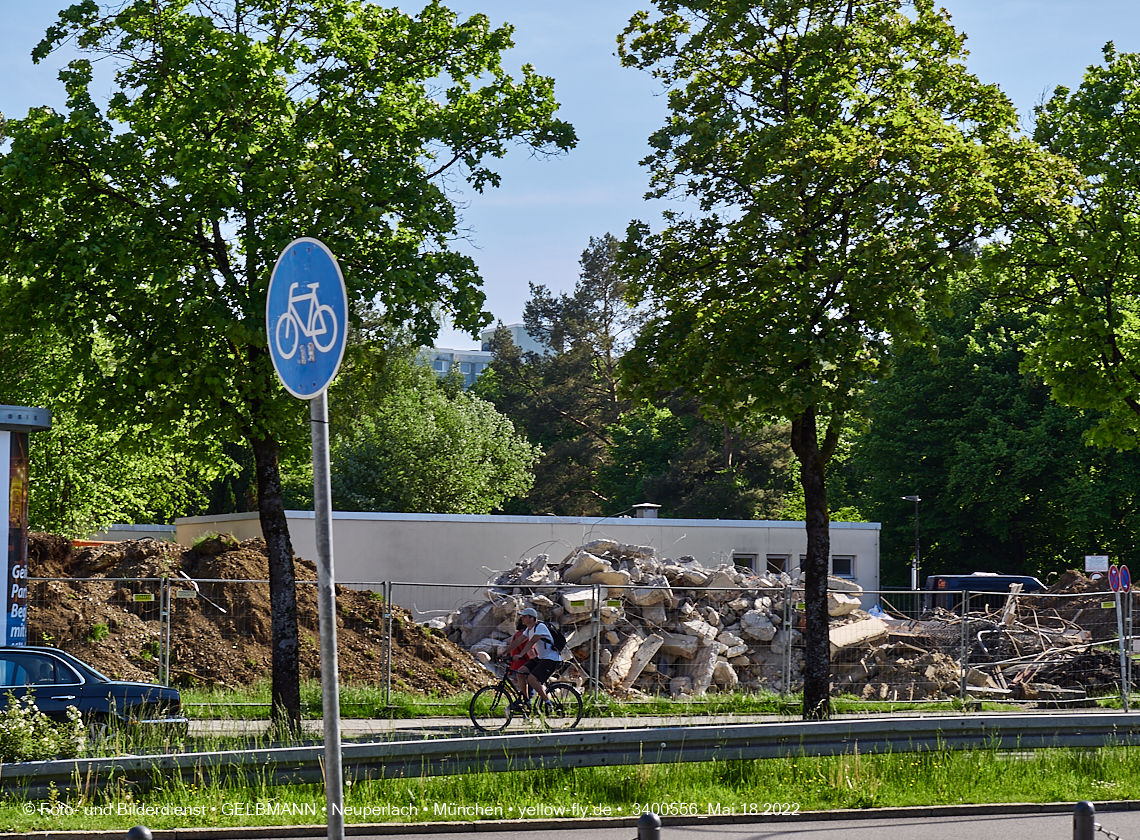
[(306, 317), (1114, 578), (1125, 579)]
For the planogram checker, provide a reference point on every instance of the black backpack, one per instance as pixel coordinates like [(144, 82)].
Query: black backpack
[(557, 636)]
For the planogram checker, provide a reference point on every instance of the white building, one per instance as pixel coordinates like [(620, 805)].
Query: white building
[(461, 549), (522, 339), (471, 363)]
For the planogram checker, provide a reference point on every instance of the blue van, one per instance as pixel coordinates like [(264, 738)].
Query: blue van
[(945, 590)]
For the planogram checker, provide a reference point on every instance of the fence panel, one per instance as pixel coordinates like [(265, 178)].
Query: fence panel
[(1053, 650), (679, 640), (118, 625), (630, 639)]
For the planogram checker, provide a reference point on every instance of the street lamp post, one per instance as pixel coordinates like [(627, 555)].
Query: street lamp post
[(914, 565)]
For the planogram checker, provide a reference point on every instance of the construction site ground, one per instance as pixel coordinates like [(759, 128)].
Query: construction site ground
[(87, 607)]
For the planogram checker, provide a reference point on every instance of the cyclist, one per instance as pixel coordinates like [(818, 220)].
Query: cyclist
[(515, 645), (535, 673)]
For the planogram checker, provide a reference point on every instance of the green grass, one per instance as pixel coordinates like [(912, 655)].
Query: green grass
[(367, 701), (809, 784), (356, 701)]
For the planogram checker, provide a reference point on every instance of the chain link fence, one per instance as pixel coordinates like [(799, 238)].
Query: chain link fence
[(631, 640)]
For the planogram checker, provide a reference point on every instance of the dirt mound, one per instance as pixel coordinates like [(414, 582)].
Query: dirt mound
[(105, 605), (1084, 606), (1075, 581)]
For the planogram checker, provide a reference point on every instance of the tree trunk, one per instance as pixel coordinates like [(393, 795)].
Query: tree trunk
[(817, 645), (286, 695)]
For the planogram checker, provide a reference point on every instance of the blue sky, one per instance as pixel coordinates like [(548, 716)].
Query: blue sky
[(535, 227)]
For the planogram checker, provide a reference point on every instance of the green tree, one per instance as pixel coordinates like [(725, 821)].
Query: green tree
[(1006, 481), (668, 454), (407, 441), (841, 157), (85, 477), (146, 230), (1082, 267), (566, 399)]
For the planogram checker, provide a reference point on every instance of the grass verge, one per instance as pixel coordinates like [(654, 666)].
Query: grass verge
[(367, 701), (741, 787)]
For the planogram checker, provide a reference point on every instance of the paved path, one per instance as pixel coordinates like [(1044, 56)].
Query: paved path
[(460, 727)]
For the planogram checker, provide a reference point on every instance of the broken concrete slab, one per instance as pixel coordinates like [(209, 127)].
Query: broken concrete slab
[(680, 644), (757, 625), (583, 563), (579, 601), (865, 633), (644, 655), (840, 604), (700, 628), (622, 660)]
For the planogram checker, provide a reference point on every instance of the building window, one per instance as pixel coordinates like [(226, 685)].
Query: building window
[(843, 565), (778, 563), (439, 366), (745, 562)]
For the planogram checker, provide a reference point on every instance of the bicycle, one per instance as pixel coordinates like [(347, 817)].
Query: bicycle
[(491, 706), (321, 321)]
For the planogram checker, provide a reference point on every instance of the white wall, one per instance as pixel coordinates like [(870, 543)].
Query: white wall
[(451, 548), (114, 533)]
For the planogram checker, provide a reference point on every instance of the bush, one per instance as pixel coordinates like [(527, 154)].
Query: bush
[(27, 734)]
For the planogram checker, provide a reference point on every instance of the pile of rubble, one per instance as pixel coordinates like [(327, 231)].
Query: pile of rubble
[(667, 626), (1039, 658), (676, 627)]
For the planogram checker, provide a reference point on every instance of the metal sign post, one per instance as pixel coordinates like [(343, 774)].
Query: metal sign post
[(306, 319), (1126, 634), (1114, 583)]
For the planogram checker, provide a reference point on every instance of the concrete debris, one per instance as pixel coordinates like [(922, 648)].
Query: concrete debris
[(666, 626), (675, 627)]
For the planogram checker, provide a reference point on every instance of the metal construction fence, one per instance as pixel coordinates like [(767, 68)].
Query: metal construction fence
[(629, 640)]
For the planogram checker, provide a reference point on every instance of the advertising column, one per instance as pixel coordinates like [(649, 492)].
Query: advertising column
[(16, 422)]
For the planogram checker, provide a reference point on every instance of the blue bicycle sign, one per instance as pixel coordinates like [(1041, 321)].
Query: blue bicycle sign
[(306, 316), (319, 323)]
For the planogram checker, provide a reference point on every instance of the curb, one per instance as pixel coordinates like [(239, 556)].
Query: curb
[(270, 832)]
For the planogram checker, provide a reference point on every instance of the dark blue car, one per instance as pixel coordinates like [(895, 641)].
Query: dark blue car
[(57, 680)]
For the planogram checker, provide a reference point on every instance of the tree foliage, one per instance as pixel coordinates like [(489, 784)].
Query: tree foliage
[(145, 231), (1082, 266), (1006, 481), (841, 157), (603, 453), (668, 454), (566, 399), (86, 476), (407, 441)]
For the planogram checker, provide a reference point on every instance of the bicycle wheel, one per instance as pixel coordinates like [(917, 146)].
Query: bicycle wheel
[(491, 708), (565, 709), (288, 335), (324, 324)]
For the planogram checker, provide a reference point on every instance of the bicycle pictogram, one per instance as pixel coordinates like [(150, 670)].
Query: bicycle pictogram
[(319, 323)]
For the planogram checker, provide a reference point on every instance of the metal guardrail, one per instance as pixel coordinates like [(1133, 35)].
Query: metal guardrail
[(660, 745)]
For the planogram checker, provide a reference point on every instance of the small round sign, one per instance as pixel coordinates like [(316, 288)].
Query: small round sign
[(1125, 579), (306, 317), (1114, 578)]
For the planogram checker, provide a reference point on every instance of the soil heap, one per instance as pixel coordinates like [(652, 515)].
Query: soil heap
[(220, 626)]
